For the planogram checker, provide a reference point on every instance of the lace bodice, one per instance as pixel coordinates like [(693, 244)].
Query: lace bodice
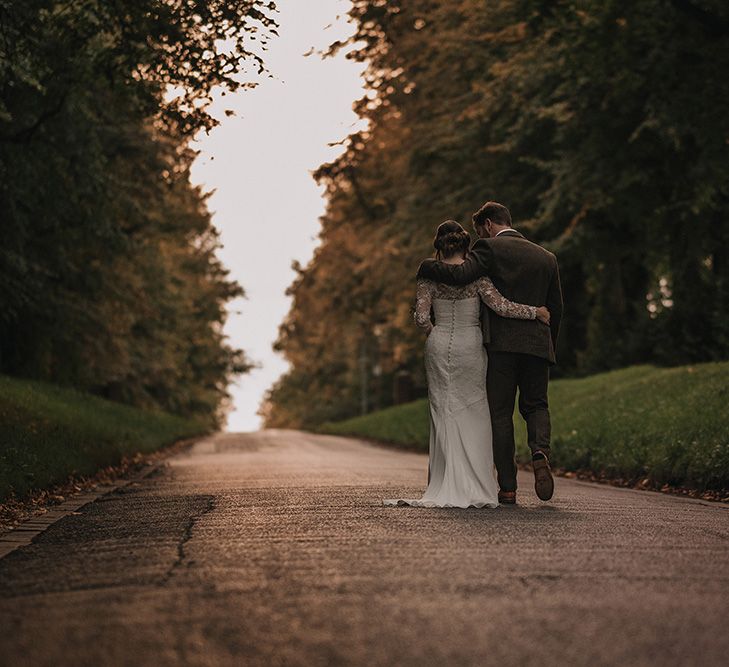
[(483, 288)]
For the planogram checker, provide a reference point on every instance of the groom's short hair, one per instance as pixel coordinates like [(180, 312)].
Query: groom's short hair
[(491, 210)]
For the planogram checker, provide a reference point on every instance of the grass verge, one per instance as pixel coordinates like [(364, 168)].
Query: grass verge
[(49, 433), (669, 426)]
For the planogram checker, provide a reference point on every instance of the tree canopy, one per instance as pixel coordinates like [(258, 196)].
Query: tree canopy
[(109, 279), (602, 125)]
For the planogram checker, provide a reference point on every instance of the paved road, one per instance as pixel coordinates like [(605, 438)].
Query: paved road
[(273, 549)]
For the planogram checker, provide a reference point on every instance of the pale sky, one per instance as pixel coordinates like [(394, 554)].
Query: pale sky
[(259, 162)]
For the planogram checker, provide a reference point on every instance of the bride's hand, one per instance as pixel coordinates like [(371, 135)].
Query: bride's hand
[(543, 314)]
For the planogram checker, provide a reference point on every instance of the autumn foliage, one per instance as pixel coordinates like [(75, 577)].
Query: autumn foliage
[(601, 124)]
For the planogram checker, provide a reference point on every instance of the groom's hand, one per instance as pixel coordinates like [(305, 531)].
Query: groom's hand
[(428, 270)]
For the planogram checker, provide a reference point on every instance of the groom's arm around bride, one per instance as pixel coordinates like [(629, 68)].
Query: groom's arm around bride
[(522, 271)]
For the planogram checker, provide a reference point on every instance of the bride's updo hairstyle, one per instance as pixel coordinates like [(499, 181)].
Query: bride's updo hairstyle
[(450, 239)]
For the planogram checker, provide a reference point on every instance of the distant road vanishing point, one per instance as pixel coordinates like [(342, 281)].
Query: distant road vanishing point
[(273, 548)]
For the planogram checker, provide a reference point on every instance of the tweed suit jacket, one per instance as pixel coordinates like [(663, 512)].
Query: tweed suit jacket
[(523, 272)]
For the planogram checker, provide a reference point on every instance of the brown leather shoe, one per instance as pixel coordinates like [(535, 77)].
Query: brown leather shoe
[(507, 497), (543, 482)]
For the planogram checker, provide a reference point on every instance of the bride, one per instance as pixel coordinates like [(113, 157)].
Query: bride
[(461, 467)]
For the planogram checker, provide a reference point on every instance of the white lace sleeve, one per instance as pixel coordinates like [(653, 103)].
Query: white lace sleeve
[(423, 301), (501, 305)]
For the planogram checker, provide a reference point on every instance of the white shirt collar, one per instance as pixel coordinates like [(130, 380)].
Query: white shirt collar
[(509, 229)]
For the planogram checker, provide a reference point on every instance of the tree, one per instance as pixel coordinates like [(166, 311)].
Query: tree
[(108, 273), (600, 124)]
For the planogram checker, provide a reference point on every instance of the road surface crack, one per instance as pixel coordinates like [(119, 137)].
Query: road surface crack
[(185, 538)]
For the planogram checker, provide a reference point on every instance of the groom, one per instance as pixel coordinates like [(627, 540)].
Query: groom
[(520, 351)]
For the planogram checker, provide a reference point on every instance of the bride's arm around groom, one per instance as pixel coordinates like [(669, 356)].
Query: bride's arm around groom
[(522, 271)]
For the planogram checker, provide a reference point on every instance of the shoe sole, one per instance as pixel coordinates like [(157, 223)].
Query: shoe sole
[(544, 483)]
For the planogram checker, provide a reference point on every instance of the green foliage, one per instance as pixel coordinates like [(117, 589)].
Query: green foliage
[(108, 272), (669, 424), (601, 124), (48, 434), (407, 425)]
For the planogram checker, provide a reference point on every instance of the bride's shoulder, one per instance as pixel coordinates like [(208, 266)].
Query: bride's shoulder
[(425, 286), (483, 281)]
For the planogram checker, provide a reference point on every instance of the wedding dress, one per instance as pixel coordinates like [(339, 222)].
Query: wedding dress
[(461, 467)]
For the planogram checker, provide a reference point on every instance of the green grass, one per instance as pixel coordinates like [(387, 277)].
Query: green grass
[(668, 424), (48, 434)]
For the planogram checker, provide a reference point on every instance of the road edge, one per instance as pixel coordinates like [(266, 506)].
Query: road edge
[(27, 530)]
